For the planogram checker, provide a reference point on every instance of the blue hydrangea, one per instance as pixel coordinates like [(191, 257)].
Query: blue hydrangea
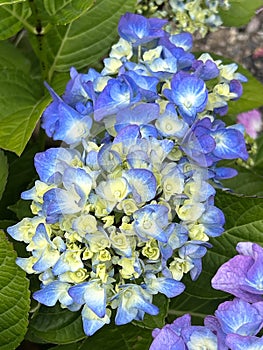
[(126, 208)]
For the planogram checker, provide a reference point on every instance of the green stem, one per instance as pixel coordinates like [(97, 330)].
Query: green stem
[(39, 32)]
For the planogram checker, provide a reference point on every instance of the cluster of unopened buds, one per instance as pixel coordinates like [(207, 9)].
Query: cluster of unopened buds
[(193, 16), (236, 323), (126, 208)]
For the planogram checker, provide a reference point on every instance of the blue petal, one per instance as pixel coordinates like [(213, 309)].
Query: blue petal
[(128, 135), (143, 184), (143, 113), (47, 259), (92, 294), (50, 163), (108, 159), (79, 180), (77, 293), (167, 286), (58, 201), (51, 293), (91, 322), (230, 144), (239, 342), (138, 30), (117, 94)]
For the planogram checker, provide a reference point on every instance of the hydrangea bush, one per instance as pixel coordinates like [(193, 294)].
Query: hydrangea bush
[(122, 215)]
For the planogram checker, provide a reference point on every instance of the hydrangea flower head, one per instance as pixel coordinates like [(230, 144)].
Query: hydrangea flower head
[(242, 275), (127, 207)]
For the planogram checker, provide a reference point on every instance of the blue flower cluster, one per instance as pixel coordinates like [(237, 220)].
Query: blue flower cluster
[(236, 323), (126, 208)]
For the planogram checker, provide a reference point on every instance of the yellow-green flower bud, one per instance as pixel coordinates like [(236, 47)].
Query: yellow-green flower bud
[(151, 250), (104, 255), (178, 267)]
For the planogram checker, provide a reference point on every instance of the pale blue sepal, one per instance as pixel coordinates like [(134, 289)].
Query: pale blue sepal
[(92, 294), (53, 292), (167, 286), (91, 322), (143, 184)]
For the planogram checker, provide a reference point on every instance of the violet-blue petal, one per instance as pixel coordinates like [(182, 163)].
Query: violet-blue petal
[(236, 87), (167, 340), (117, 94), (254, 276), (183, 40), (231, 277), (63, 122), (213, 220), (230, 144), (240, 317), (199, 337), (239, 342), (79, 181), (223, 173), (139, 30), (108, 159), (78, 88), (133, 300), (128, 135), (213, 324), (205, 70)]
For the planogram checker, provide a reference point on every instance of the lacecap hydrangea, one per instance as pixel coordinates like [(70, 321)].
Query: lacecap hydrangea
[(126, 208)]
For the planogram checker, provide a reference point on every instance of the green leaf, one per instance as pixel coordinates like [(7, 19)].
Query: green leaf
[(258, 159), (248, 182), (21, 176), (112, 337), (22, 209), (20, 108), (66, 11), (157, 321), (12, 58), (3, 172), (9, 2), (198, 308), (13, 18), (74, 346), (244, 222), (83, 42), (15, 301), (56, 325), (240, 12), (5, 223)]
